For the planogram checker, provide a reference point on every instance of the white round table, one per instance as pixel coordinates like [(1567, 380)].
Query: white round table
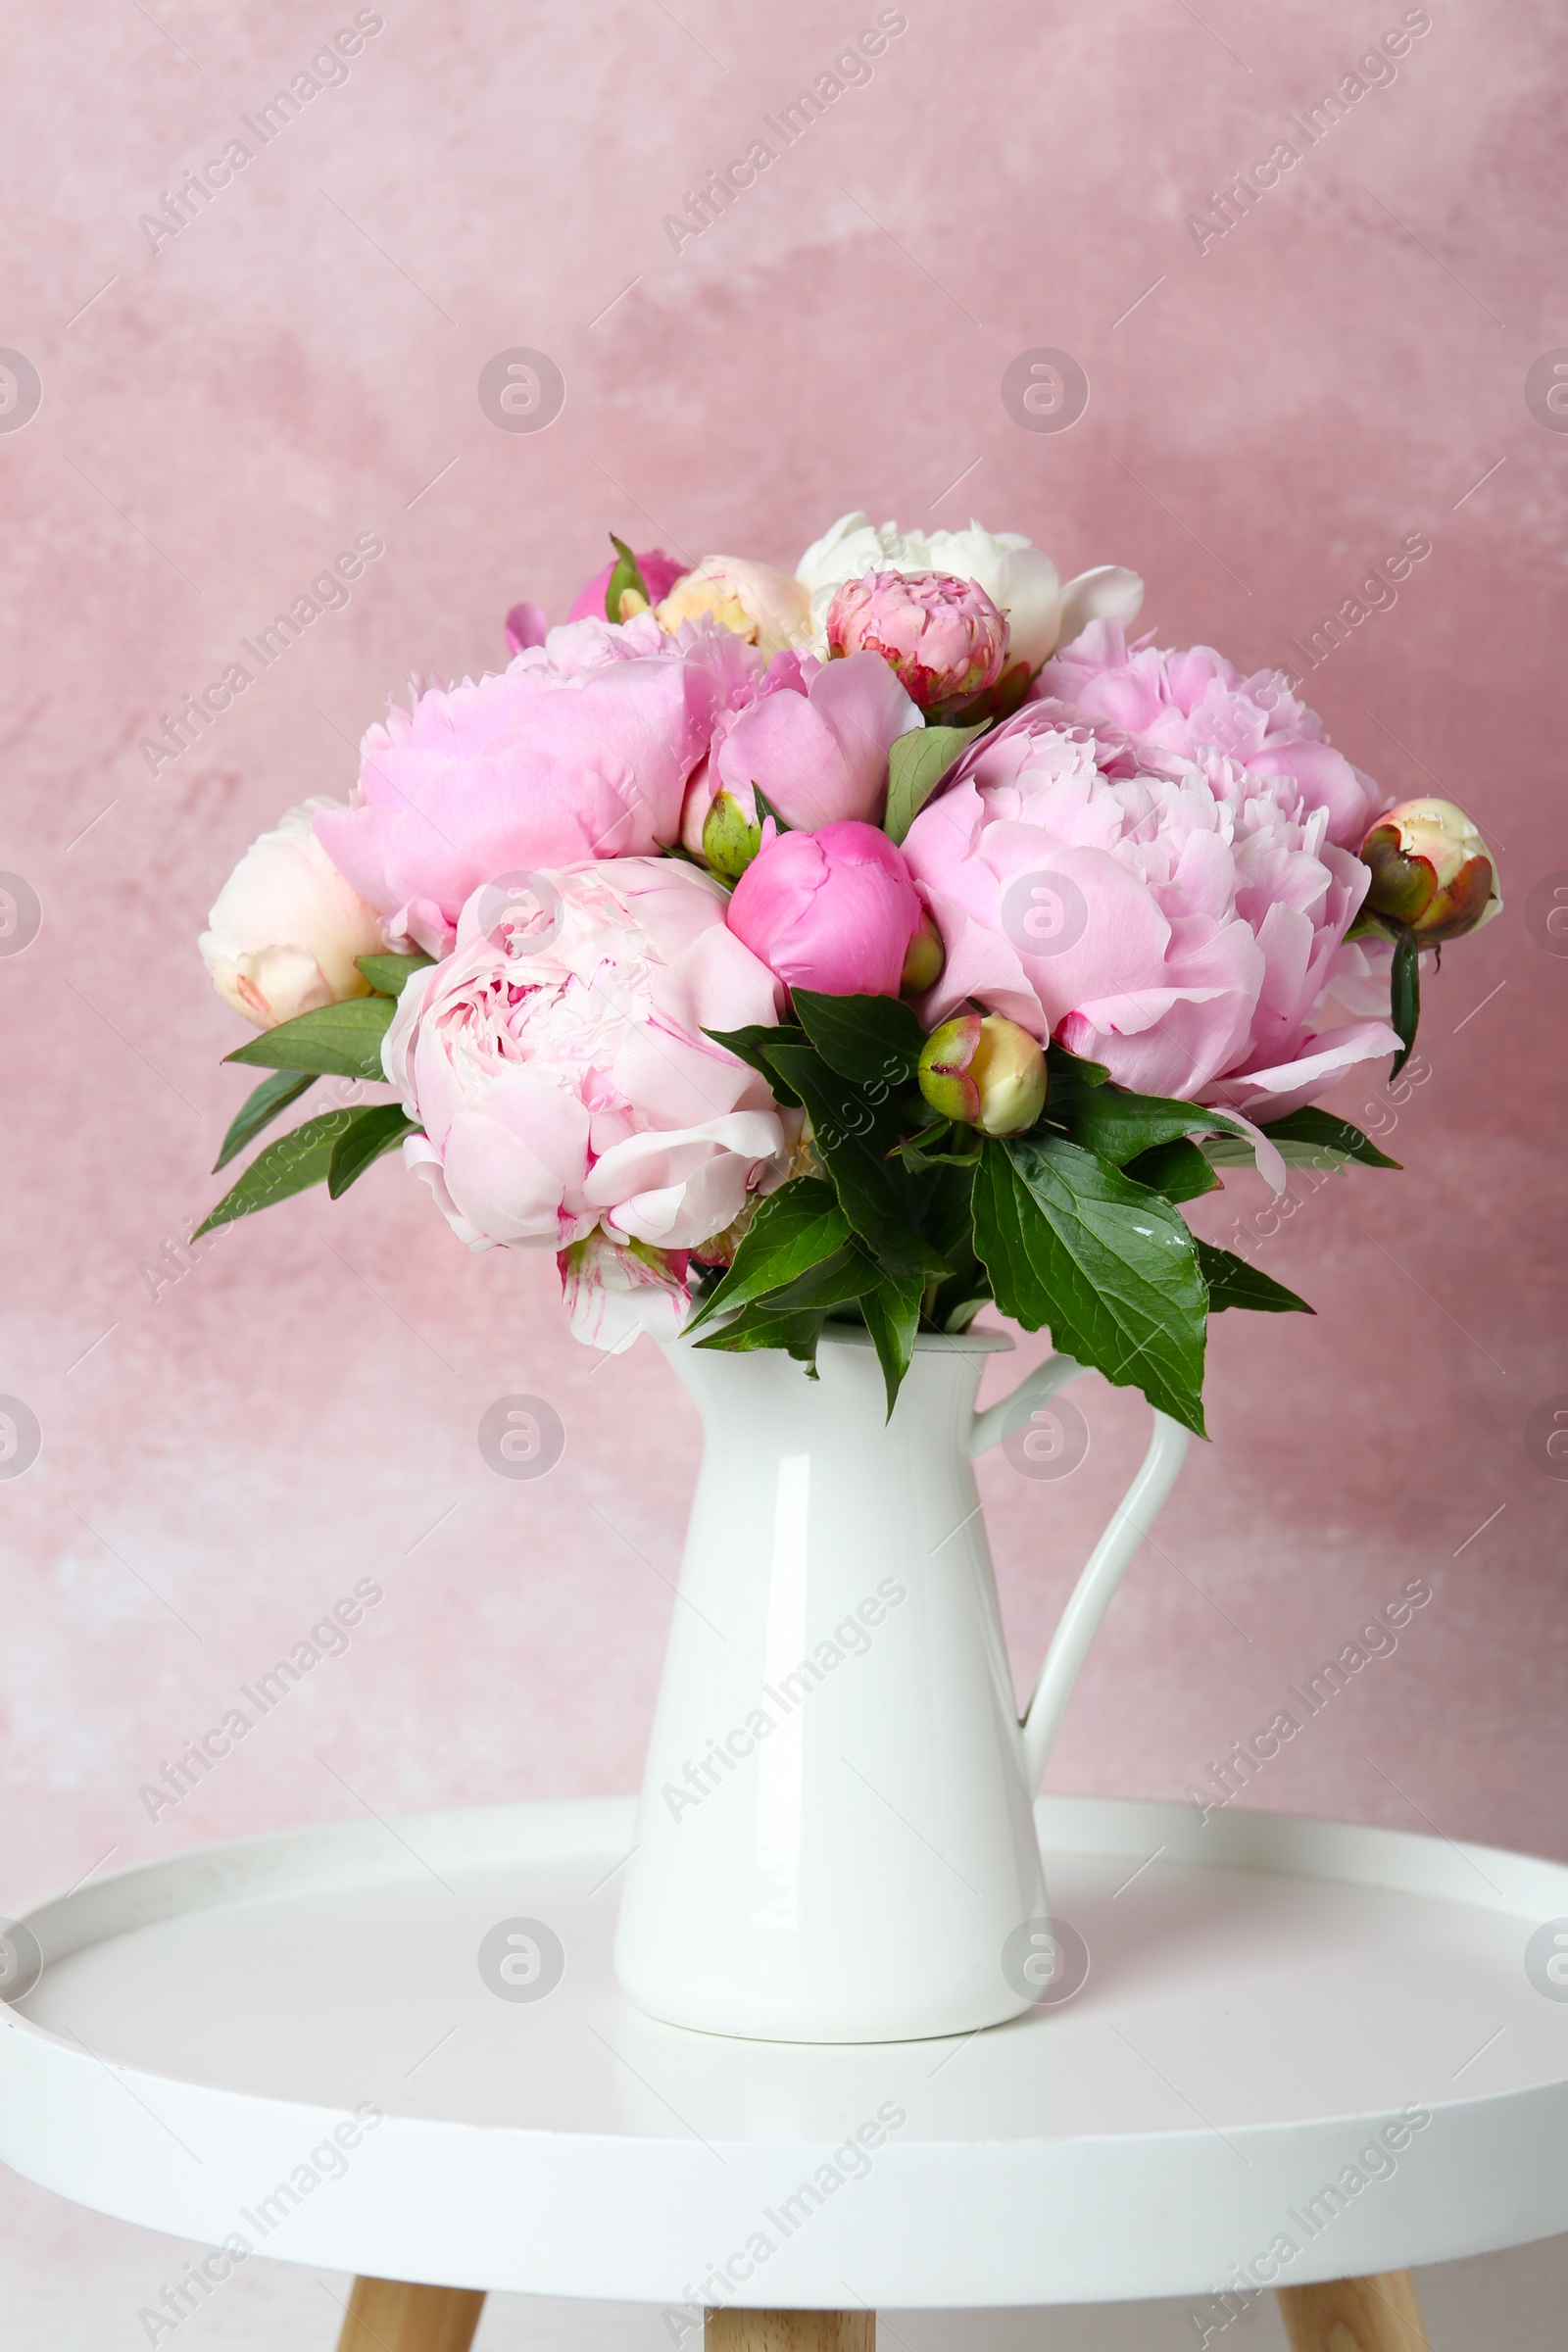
[(1302, 2053)]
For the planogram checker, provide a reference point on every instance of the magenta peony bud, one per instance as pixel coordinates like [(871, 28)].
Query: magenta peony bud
[(1431, 870), (986, 1071), (943, 637), (833, 911)]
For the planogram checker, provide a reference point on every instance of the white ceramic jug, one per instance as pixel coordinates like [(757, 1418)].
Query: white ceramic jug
[(835, 1837)]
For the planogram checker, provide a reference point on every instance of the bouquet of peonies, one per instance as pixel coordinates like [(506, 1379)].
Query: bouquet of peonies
[(859, 945)]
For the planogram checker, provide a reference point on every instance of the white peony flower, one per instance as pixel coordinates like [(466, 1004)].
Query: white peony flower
[(614, 1292), (286, 926), (1019, 579)]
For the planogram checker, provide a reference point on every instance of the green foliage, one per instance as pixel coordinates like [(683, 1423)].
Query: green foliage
[(1304, 1139), (794, 1229), (342, 1040), (917, 765), (292, 1163), (852, 1137), (1071, 1244), (875, 1041), (389, 975), (892, 1312), (1177, 1169), (752, 1046), (1232, 1282), (1115, 1123), (260, 1109), (1404, 994), (369, 1134)]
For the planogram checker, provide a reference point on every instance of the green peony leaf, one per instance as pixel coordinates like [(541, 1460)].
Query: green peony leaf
[(1117, 1124), (1305, 1139), (1232, 1282), (1321, 1128), (917, 765), (750, 1046), (389, 975), (1178, 1170), (874, 1040), (343, 1039), (853, 1136), (892, 1312), (1073, 1068), (260, 1109), (292, 1163), (1068, 1241), (370, 1134), (797, 1334), (794, 1230)]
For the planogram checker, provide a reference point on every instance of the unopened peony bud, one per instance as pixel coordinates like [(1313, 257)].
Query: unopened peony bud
[(943, 637), (1431, 870), (730, 838), (983, 1070), (832, 910), (923, 963)]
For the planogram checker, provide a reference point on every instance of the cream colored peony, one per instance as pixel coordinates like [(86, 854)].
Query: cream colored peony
[(286, 927), (758, 600)]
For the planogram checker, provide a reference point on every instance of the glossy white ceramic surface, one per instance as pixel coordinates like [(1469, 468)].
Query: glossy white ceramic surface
[(835, 1840)]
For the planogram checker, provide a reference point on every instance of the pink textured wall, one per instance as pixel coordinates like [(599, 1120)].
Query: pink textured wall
[(1345, 366)]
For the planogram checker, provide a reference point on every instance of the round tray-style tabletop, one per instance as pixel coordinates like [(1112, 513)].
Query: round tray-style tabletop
[(1340, 2041)]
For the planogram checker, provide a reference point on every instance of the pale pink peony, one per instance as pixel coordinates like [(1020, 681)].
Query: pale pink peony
[(1154, 712), (942, 637), (833, 911), (581, 749), (812, 737), (659, 573), (571, 1086), (1177, 928), (286, 927)]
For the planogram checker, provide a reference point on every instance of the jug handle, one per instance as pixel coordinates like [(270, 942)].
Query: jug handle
[(1109, 1562)]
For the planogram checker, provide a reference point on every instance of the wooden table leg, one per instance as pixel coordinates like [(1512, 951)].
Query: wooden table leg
[(386, 2315), (790, 2332), (1379, 2314)]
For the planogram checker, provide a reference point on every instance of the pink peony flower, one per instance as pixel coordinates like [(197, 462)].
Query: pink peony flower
[(581, 749), (286, 927), (942, 637), (1156, 711), (812, 737), (571, 1086), (1178, 928), (526, 624), (658, 570), (833, 911)]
